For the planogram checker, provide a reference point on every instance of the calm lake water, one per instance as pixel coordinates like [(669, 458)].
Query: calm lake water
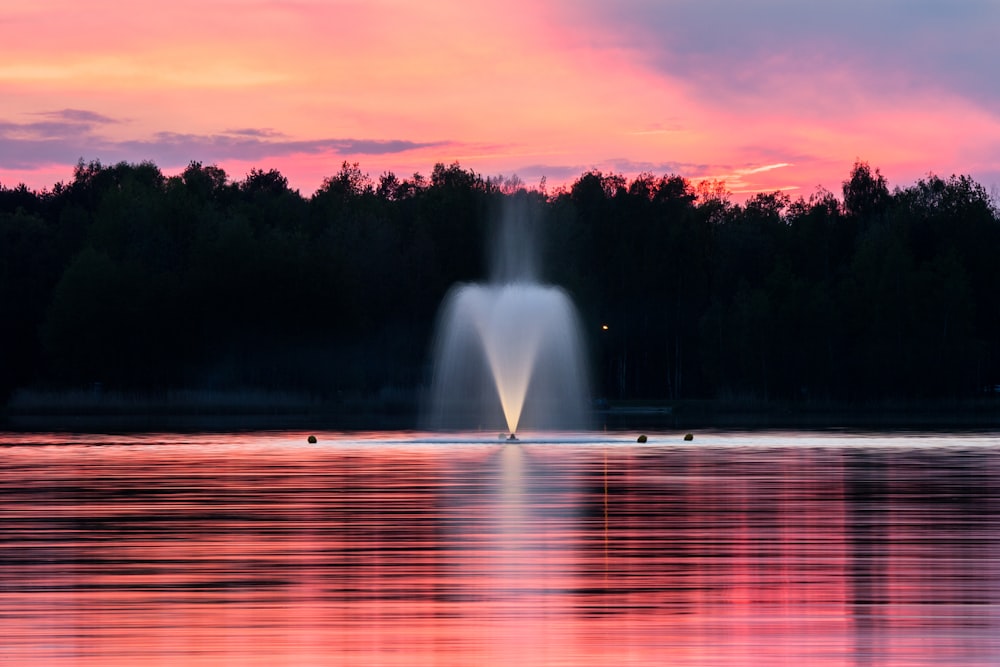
[(818, 549)]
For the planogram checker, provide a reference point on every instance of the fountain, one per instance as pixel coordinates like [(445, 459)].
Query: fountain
[(509, 352)]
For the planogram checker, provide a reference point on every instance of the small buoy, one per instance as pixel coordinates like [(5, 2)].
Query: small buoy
[(641, 438), (311, 439), (512, 437), (688, 438)]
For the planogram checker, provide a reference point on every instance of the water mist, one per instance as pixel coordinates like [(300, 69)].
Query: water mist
[(508, 353)]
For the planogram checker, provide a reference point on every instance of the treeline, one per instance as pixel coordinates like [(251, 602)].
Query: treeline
[(138, 281)]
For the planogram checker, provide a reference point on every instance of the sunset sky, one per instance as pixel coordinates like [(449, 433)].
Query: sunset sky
[(764, 94)]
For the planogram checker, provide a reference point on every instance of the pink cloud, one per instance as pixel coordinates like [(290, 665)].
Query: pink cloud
[(699, 88)]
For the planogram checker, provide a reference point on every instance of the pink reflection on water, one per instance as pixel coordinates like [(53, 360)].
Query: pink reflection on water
[(259, 549)]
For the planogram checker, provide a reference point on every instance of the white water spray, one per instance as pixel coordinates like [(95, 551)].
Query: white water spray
[(509, 352)]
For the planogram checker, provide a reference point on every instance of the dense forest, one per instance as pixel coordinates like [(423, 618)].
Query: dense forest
[(143, 282)]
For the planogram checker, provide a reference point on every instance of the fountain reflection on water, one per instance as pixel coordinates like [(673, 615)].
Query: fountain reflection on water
[(509, 353)]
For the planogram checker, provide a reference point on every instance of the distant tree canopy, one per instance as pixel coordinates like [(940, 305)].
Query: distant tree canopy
[(140, 281)]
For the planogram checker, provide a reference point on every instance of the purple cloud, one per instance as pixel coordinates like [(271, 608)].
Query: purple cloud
[(262, 132), (57, 125), (754, 49), (65, 136), (79, 116)]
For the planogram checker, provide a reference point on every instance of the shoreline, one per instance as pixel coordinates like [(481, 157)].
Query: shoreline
[(754, 414), (262, 410)]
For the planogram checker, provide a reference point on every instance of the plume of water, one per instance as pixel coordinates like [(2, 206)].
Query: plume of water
[(509, 352)]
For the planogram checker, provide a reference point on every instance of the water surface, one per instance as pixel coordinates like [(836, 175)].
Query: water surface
[(408, 549)]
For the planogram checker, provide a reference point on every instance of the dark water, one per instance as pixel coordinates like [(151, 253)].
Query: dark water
[(394, 549)]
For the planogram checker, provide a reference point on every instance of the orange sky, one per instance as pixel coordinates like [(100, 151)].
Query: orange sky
[(764, 95)]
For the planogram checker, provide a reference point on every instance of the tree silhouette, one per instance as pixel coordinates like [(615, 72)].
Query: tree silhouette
[(143, 282)]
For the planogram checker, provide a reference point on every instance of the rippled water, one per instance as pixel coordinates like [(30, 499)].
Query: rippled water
[(403, 549)]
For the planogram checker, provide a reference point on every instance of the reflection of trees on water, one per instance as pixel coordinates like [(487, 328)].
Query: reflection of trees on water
[(864, 544)]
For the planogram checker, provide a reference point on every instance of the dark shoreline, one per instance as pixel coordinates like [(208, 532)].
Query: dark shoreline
[(976, 414), (89, 412)]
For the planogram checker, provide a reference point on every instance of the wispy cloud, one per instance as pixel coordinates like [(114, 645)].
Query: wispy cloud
[(81, 116), (67, 135), (761, 169), (55, 125), (262, 132)]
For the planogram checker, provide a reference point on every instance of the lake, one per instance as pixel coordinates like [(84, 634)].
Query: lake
[(738, 548)]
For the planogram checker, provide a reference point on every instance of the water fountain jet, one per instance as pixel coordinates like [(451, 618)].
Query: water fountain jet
[(509, 351)]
